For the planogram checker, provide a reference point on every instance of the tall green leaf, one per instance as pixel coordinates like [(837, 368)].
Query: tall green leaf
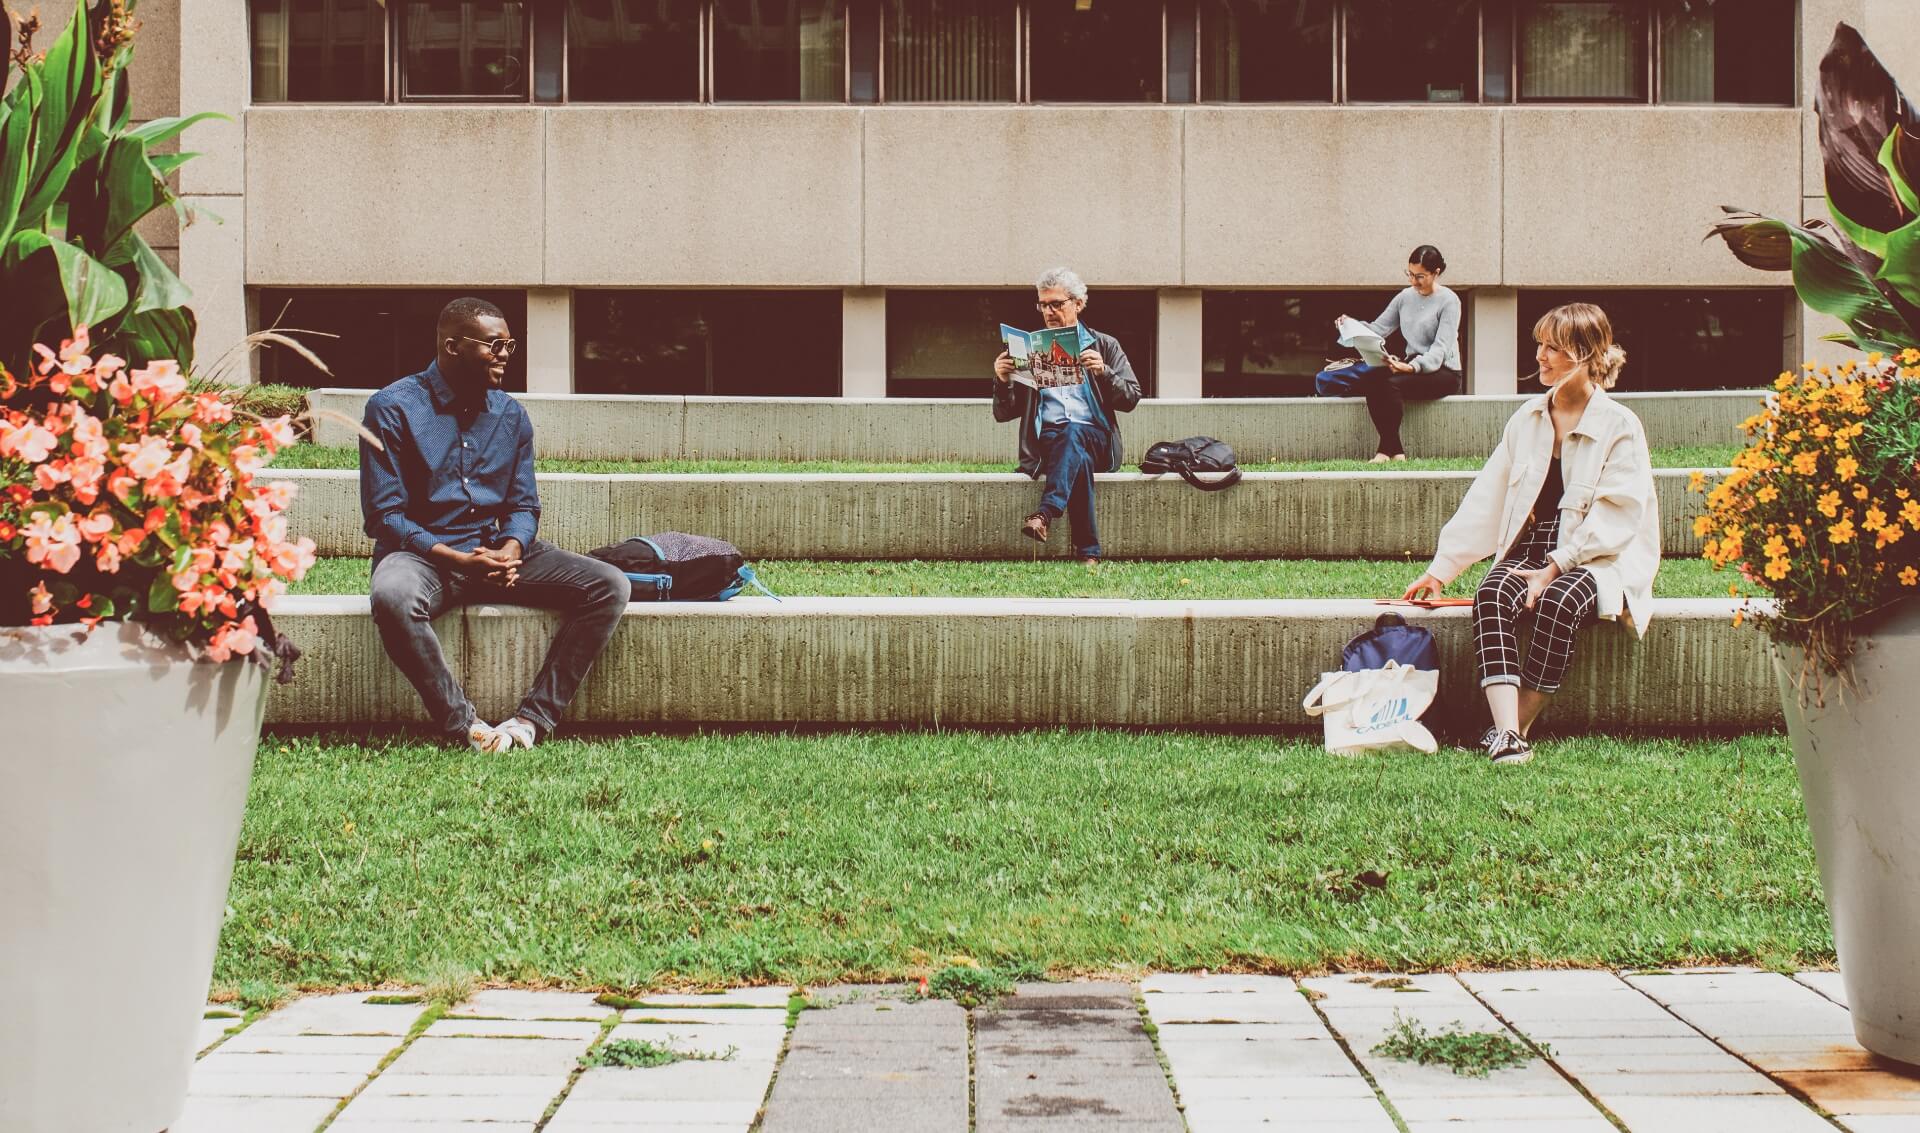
[(158, 288), (94, 292), (1891, 161), (69, 96), (1902, 267), (160, 129), (147, 335), (16, 149)]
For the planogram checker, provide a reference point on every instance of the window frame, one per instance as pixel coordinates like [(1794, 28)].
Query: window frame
[(1646, 11), (387, 54), (1336, 45), (397, 37)]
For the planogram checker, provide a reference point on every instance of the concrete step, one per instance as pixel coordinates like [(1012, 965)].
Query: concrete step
[(872, 516), (582, 427), (965, 662)]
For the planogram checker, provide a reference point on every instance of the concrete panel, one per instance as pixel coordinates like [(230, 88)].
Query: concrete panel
[(863, 342), (908, 430), (154, 76), (1575, 218), (214, 74), (322, 179), (574, 511), (941, 662), (1893, 31), (1182, 348), (1309, 196), (212, 263), (1116, 219), (701, 196), (566, 426)]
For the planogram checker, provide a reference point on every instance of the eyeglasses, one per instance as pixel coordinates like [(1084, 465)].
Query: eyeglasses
[(1418, 276), (1053, 304), (498, 347)]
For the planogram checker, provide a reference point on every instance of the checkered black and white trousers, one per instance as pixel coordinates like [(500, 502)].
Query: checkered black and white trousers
[(1568, 603)]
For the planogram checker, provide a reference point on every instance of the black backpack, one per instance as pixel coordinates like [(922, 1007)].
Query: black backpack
[(680, 568), (1195, 454)]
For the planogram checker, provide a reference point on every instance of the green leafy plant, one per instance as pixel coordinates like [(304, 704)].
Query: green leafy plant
[(967, 985), (645, 1054), (1468, 1054), (1863, 268), (76, 179)]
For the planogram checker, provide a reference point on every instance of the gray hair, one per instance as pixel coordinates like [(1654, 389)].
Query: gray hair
[(1066, 279)]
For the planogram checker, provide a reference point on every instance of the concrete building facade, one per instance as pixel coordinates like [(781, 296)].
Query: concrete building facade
[(872, 209)]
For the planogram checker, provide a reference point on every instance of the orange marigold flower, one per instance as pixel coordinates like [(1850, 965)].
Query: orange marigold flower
[(1777, 569), (1910, 511), (1784, 381), (1702, 524), (1841, 532), (1876, 519), (1775, 548), (1860, 492), (1767, 494), (1806, 463), (1845, 467), (1798, 536), (1829, 504), (1696, 481), (1910, 577)]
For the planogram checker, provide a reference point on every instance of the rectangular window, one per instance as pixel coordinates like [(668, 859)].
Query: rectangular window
[(1719, 51), (950, 51), (1583, 50), (633, 50), (943, 343), (1266, 50), (1272, 343), (319, 51), (1679, 340), (1095, 51), (381, 336), (467, 49), (792, 52), (734, 343), (1413, 50)]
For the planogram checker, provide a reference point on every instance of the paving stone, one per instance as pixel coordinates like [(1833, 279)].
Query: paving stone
[(1828, 984), (463, 1085), (1787, 1055), (1860, 1091), (212, 1031), (837, 995), (347, 1014), (1264, 1088), (1816, 1018), (355, 1125), (523, 1108), (746, 1042), (490, 1056), (1882, 1124), (509, 1004), (1552, 982), (633, 1113), (245, 1085), (1277, 1006), (1594, 1124), (1084, 1060), (864, 1063), (513, 1028), (1362, 1114), (252, 1115), (1556, 1107), (775, 996), (1718, 986), (1729, 1083), (1277, 1058), (1777, 1114), (244, 1063), (1180, 982), (1364, 990), (250, 1042), (710, 1016), (680, 1081)]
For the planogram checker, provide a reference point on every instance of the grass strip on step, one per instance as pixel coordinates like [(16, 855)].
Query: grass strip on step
[(1469, 1055), (858, 856), (325, 457), (1175, 580)]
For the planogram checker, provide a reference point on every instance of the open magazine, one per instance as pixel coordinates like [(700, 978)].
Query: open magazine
[(1047, 358), (1363, 338)]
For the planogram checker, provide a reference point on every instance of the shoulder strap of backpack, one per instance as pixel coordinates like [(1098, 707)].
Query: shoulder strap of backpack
[(1229, 480)]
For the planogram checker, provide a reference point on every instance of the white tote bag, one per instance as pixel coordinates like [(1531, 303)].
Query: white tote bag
[(1375, 709)]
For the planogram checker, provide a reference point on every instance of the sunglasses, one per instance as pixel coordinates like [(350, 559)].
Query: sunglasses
[(498, 347)]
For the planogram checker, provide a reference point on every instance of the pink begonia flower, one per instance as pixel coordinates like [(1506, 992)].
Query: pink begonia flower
[(234, 637), (107, 365), (30, 441), (219, 533), (161, 382), (86, 479), (190, 435), (279, 432), (247, 459), (51, 475), (209, 408), (186, 580), (148, 458), (72, 357), (97, 526), (53, 543), (292, 559), (267, 592), (168, 482), (277, 494), (42, 598), (121, 389), (89, 436), (108, 560)]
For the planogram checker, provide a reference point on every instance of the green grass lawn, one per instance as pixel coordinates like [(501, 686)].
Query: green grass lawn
[(751, 857), (315, 456), (1115, 578)]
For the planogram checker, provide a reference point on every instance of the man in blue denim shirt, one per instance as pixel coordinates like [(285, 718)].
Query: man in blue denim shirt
[(450, 500), (1067, 433)]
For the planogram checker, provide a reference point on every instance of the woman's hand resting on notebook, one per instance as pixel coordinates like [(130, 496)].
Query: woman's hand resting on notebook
[(1426, 586)]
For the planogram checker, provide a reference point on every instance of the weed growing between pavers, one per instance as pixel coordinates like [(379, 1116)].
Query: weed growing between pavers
[(645, 1054), (966, 984), (1469, 1054)]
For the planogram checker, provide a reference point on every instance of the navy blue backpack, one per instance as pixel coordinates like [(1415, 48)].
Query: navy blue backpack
[(672, 567), (1391, 639)]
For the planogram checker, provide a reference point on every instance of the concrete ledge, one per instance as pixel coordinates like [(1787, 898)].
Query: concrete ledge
[(975, 515), (579, 427), (982, 661)]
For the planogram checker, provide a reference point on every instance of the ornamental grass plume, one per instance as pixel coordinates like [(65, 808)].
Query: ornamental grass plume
[(1822, 509), (125, 497)]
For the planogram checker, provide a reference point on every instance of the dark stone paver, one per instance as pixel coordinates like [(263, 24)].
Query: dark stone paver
[(873, 1062), (1068, 1056)]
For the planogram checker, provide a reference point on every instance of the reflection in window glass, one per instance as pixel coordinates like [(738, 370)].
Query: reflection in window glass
[(633, 50), (465, 48), (943, 343), (1719, 51), (318, 50), (792, 52), (950, 51), (380, 335), (1271, 343), (1095, 51), (1583, 49), (1680, 340), (1413, 50), (734, 343), (1266, 50)]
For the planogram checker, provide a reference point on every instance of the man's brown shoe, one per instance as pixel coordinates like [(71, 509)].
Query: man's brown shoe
[(1035, 527)]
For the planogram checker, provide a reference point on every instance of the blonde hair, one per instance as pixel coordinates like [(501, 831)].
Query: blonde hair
[(1583, 331)]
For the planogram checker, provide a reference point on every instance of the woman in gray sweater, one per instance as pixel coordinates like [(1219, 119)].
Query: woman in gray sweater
[(1427, 315)]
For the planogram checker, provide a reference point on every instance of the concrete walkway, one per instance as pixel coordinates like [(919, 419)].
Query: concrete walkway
[(1733, 1050)]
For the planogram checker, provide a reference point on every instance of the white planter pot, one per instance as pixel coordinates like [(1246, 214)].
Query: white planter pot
[(1859, 761), (123, 777)]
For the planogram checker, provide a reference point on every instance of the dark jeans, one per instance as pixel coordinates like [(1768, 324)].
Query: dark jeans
[(1387, 394), (409, 592), (1071, 453)]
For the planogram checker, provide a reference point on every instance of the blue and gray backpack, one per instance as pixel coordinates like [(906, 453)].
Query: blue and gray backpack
[(676, 567)]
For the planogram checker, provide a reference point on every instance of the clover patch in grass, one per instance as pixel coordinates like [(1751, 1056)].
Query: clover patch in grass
[(1468, 1054), (645, 1054)]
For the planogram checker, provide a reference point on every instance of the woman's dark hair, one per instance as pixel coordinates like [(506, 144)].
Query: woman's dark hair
[(1429, 257)]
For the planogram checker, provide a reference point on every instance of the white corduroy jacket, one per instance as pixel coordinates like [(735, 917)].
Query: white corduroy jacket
[(1609, 517)]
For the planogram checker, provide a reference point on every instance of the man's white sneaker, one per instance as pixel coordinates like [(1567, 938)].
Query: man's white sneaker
[(516, 731), (482, 736)]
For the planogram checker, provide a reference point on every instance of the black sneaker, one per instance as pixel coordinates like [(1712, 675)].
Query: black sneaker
[(1486, 741), (1509, 747)]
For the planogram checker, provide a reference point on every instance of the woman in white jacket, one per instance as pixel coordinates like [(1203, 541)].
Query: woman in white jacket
[(1566, 505)]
